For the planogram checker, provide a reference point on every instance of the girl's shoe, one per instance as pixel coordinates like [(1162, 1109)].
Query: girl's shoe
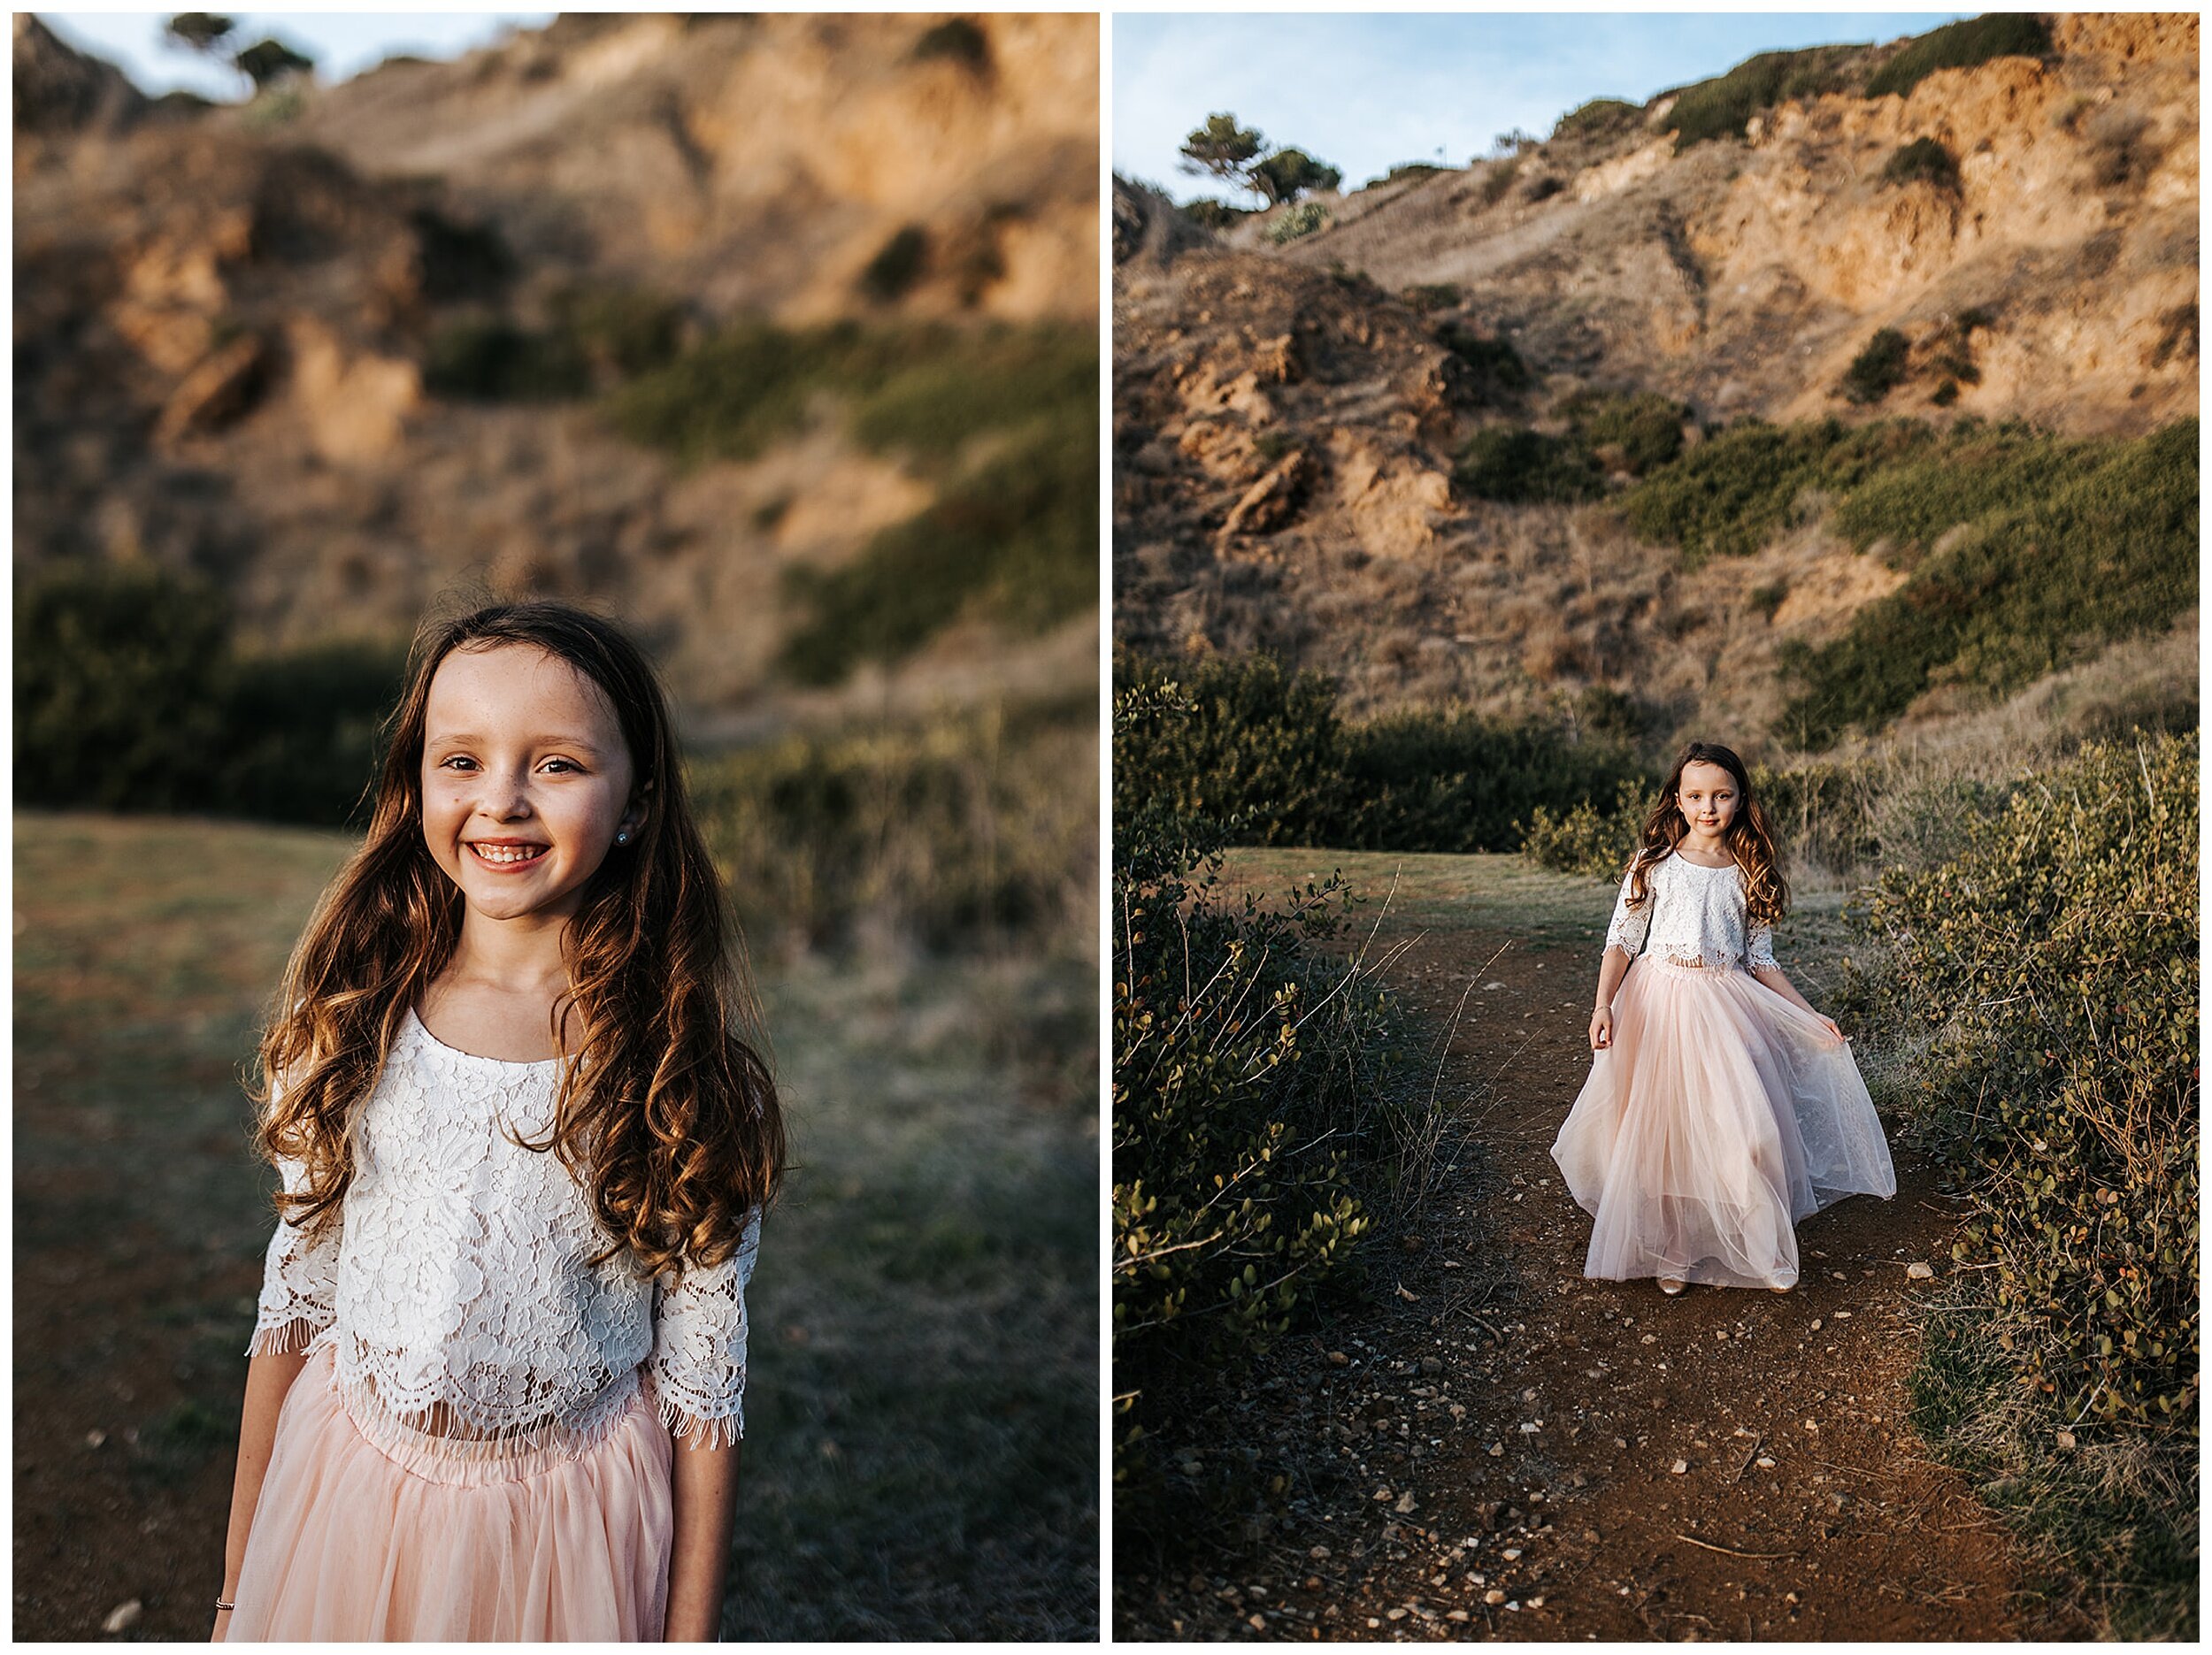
[(1670, 1286)]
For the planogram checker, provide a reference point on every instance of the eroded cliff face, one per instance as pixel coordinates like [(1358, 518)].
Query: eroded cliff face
[(1739, 278), (224, 320)]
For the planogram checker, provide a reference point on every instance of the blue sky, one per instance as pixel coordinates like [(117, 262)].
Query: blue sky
[(1365, 91), (342, 43)]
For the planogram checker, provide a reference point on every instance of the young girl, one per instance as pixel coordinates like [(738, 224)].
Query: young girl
[(525, 1149), (1721, 1108)]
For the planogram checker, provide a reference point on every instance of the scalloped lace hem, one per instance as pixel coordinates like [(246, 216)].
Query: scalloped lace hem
[(702, 1430), (285, 1337)]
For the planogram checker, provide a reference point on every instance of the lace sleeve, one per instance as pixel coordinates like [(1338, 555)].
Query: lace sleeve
[(299, 1278), (698, 1360), (1630, 925), (1759, 947)]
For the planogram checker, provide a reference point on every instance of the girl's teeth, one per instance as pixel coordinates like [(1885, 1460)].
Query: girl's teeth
[(489, 854)]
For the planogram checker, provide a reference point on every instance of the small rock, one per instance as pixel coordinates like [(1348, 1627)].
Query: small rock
[(2066, 1439), (1680, 1466), (1816, 1324), (1651, 1338), (1497, 1451), (1536, 1602), (1765, 1462), (1405, 1503), (1590, 1536), (1528, 1427), (93, 1439), (1431, 1365), (1258, 1623), (123, 1616), (1511, 1554), (1318, 1554), (1397, 1614), (1336, 1358), (1457, 1615), (1843, 1315), (1919, 1272), (1382, 1494), (1493, 1596)]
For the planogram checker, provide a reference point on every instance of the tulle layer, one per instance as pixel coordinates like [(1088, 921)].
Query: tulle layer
[(350, 1543), (1721, 1114)]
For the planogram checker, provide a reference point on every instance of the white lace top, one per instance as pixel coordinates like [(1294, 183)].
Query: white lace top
[(455, 1290), (1692, 915)]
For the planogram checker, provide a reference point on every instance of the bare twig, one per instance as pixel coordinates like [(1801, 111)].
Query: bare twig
[(1755, 1557)]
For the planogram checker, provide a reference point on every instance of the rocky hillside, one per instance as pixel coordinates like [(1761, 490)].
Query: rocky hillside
[(345, 347), (1292, 420)]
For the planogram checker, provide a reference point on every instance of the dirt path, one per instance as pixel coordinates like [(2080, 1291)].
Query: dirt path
[(1518, 1451)]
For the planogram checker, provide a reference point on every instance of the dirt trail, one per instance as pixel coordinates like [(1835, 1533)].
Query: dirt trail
[(1494, 1452)]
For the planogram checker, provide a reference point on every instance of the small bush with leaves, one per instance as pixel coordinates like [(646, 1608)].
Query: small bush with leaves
[(1961, 45), (1497, 367), (1215, 215), (1252, 1131), (1497, 179), (1922, 161), (1517, 466), (1878, 370), (1638, 434), (1600, 118), (1586, 841), (2054, 962), (1297, 222)]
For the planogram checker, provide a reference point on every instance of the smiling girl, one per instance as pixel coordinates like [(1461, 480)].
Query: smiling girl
[(497, 1378), (1721, 1108)]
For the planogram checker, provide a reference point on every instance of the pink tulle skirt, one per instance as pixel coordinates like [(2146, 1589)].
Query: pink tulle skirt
[(349, 1543), (1721, 1114)]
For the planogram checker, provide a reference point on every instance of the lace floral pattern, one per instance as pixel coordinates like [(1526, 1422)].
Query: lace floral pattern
[(457, 1289), (1692, 916)]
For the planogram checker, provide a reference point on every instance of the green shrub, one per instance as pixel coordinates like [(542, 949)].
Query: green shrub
[(1263, 753), (1585, 840), (1878, 369), (494, 360), (619, 332), (1922, 161), (1412, 171), (897, 267), (1252, 1133), (1305, 219), (1645, 428), (1215, 215), (129, 696), (957, 39), (119, 692), (1497, 178), (1273, 447), (1259, 751), (1013, 542), (1435, 295), (2054, 961), (958, 832), (1720, 108), (1600, 118), (2071, 547), (1517, 466), (1961, 45), (1727, 496), (1497, 367), (995, 379)]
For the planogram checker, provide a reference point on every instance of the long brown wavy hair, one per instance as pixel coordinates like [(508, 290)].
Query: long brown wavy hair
[(666, 1111), (1749, 838)]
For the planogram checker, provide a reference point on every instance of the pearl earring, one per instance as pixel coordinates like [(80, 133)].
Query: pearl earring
[(623, 837)]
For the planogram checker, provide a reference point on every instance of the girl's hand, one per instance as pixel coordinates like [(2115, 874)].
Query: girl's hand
[(1601, 1028), (1841, 1039)]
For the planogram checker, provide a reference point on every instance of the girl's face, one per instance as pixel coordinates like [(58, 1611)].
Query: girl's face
[(1707, 794), (526, 781)]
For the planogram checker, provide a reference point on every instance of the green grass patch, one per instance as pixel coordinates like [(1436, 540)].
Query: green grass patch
[(1516, 465), (1962, 45), (1600, 118)]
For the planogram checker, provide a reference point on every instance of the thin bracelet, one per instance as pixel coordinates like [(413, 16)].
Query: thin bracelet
[(219, 1604)]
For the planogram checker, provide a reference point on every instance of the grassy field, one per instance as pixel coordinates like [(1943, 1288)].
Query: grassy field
[(921, 1459)]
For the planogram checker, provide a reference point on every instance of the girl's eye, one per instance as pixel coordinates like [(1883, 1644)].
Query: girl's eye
[(455, 758), (565, 764)]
